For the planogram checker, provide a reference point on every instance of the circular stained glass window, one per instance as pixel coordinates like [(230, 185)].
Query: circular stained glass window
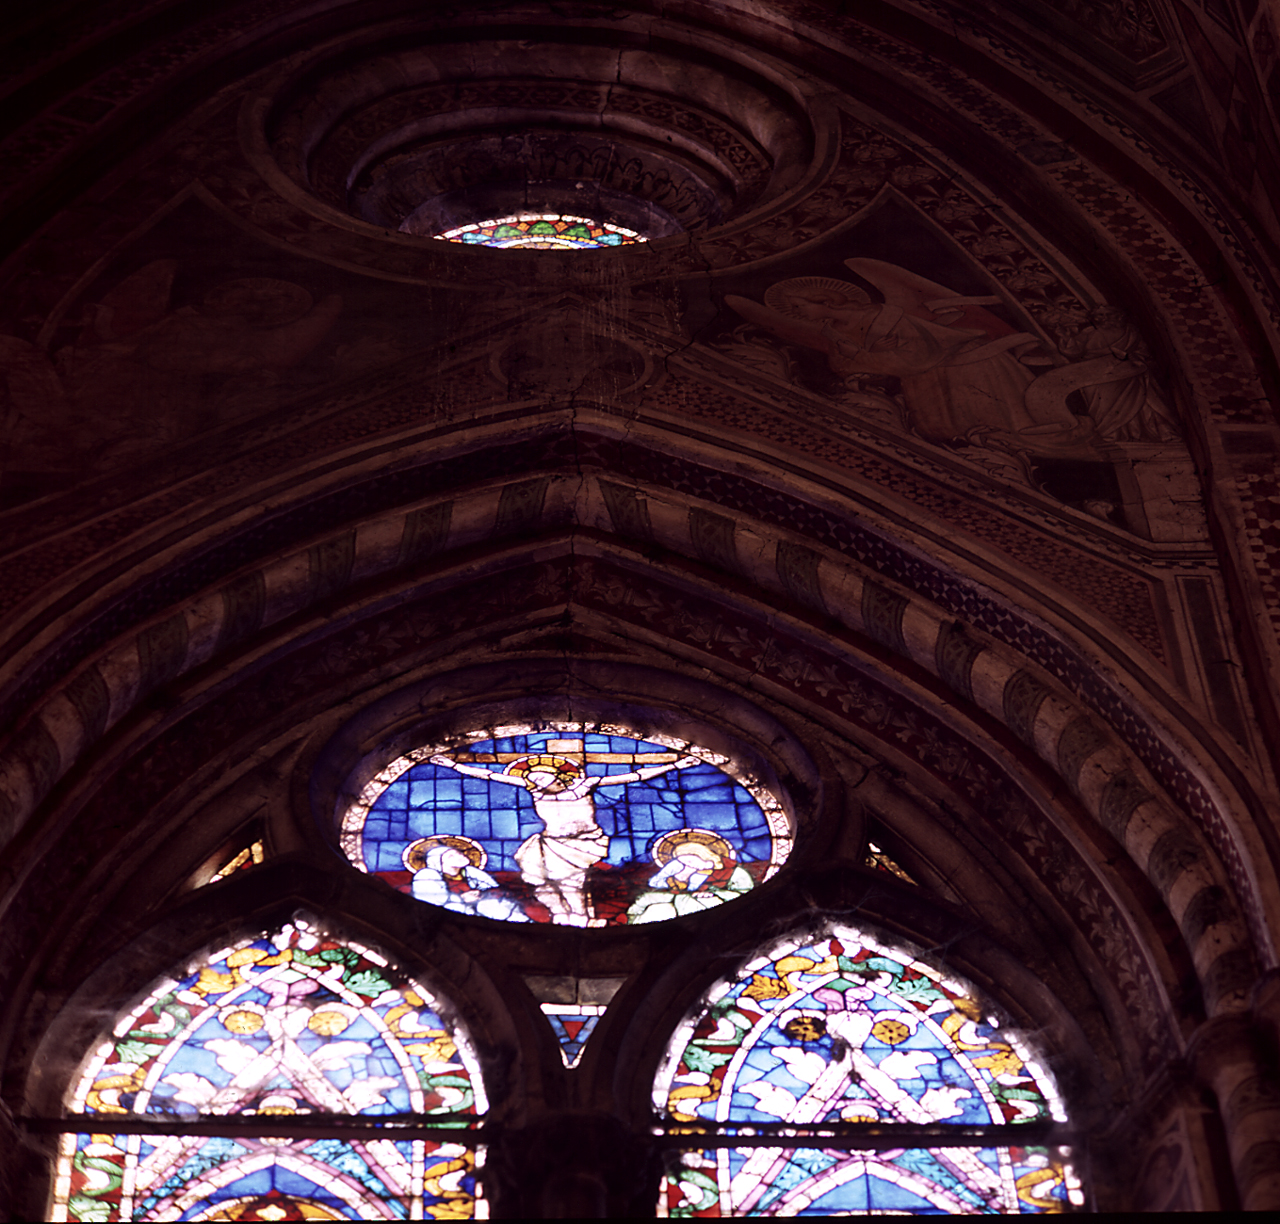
[(544, 231), (574, 825)]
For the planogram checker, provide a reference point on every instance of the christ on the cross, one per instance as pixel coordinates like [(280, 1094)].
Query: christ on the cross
[(556, 861)]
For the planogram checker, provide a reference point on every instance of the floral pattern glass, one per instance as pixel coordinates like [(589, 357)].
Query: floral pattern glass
[(289, 1025), (544, 231), (838, 1029)]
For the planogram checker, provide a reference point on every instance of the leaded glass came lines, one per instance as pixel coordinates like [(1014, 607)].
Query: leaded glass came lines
[(183, 1178), (544, 231), (839, 1030), (291, 1025), (250, 856), (828, 1182), (571, 825)]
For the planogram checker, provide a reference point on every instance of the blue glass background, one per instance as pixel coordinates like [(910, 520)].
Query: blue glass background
[(762, 1064), (288, 1182), (430, 799), (865, 1194), (195, 1057)]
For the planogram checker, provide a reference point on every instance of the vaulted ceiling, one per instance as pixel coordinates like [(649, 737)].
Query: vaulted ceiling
[(286, 480)]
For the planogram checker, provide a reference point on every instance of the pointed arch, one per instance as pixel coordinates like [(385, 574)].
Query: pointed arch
[(815, 601), (613, 519), (295, 1028), (832, 1038)]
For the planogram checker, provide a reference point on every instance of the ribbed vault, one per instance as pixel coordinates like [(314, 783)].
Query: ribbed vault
[(1033, 823), (290, 485)]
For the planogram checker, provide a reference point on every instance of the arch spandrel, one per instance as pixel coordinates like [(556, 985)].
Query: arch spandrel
[(823, 574)]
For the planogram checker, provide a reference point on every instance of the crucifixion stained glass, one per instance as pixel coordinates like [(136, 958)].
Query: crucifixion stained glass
[(570, 824)]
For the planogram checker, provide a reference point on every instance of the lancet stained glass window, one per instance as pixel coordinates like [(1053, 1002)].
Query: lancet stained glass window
[(580, 825), (288, 1026), (836, 1030), (544, 231)]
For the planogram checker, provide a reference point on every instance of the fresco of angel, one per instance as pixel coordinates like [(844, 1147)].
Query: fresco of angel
[(960, 366)]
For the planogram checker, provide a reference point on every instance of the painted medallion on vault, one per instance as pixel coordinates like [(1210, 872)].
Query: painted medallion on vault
[(568, 824)]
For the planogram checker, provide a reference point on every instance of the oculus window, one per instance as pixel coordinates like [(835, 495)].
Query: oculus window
[(578, 825), (544, 231)]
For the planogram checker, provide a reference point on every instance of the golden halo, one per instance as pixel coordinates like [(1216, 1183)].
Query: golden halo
[(566, 770), (664, 849), (415, 853), (778, 297)]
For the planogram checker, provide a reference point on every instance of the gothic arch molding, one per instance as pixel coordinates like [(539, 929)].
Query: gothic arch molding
[(227, 743), (1048, 689), (1116, 786)]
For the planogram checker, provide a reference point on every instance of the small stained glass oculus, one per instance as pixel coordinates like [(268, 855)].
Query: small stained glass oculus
[(570, 824), (544, 231)]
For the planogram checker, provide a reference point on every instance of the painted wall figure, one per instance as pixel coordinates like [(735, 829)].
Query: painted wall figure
[(965, 373), (138, 375)]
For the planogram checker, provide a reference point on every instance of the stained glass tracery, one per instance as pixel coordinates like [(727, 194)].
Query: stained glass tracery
[(544, 231), (878, 860), (835, 1182), (580, 825), (251, 856), (288, 1026), (838, 1030)]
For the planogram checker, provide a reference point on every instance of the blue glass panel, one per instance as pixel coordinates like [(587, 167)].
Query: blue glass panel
[(294, 1022), (829, 1182), (122, 1177), (838, 1029), (579, 828), (572, 1030)]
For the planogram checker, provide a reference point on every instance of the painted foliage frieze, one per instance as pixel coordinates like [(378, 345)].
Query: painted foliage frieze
[(570, 824)]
